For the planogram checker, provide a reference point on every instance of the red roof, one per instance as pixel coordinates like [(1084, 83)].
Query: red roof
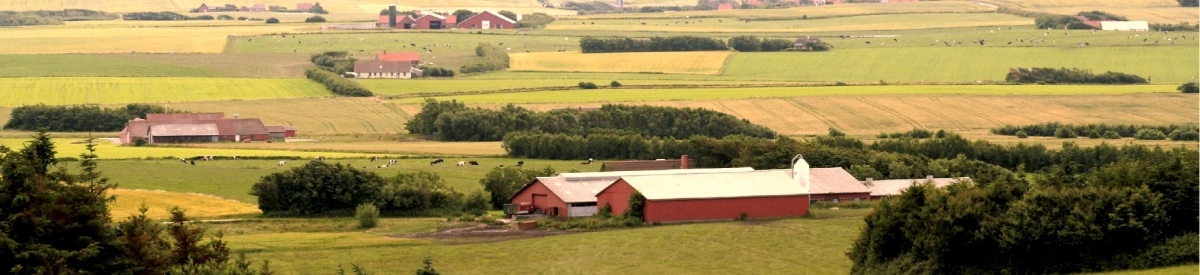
[(378, 66), (185, 116), (409, 56), (305, 7), (725, 6)]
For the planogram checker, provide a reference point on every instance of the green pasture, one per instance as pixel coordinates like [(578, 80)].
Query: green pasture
[(453, 48), (434, 87), (232, 179), (848, 9), (1020, 37), (849, 23), (631, 95), (961, 64), (72, 147), (121, 90), (758, 247), (256, 65)]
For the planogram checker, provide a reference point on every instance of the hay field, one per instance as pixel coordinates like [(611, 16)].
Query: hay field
[(195, 205), (851, 23), (126, 38), (810, 11), (962, 64), (122, 90), (659, 62), (641, 95), (72, 147), (312, 116), (434, 87)]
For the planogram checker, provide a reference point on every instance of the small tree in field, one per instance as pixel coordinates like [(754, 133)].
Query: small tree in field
[(367, 215), (272, 20), (428, 269), (1189, 88)]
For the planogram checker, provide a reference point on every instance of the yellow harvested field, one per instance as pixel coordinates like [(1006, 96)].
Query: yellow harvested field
[(657, 62), (489, 148), (1154, 11), (1096, 3), (869, 115), (126, 38), (810, 11), (194, 205), (312, 116), (911, 21)]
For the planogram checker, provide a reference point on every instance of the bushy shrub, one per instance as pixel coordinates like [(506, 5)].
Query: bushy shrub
[(367, 215), (477, 203), (1182, 134), (435, 71), (224, 17), (1149, 134), (590, 223), (337, 84), (1070, 76), (272, 20), (587, 85), (1022, 134), (1189, 88), (1065, 133), (614, 84), (535, 21), (1111, 135), (314, 19), (655, 44)]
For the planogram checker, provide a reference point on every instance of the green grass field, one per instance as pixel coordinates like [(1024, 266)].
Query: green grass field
[(232, 179), (454, 48), (816, 246), (961, 64), (72, 147), (635, 95), (667, 62), (497, 82), (849, 23), (122, 90)]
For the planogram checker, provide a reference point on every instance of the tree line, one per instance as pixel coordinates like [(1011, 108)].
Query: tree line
[(491, 58), (78, 118), (654, 44), (1057, 129), (162, 16), (51, 17), (338, 62), (320, 188), (454, 121), (535, 20), (1070, 76), (1126, 214), (336, 83), (747, 43), (57, 222)]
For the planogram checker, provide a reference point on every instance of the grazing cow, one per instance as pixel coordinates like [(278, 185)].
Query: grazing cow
[(473, 162), (320, 158), (436, 162), (462, 163), (520, 163), (282, 163), (382, 166), (589, 161), (374, 158), (501, 165), (183, 160), (235, 157), (391, 162), (193, 162)]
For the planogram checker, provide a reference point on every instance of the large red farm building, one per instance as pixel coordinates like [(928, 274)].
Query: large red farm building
[(697, 197), (574, 194)]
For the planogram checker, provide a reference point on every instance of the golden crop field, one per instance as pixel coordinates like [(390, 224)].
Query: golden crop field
[(810, 11), (487, 148), (1097, 3), (127, 38), (312, 116), (850, 23), (663, 62), (1154, 11), (194, 205), (869, 115), (121, 90)]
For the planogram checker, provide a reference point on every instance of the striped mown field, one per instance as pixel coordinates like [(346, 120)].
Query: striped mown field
[(312, 116), (122, 90), (659, 62)]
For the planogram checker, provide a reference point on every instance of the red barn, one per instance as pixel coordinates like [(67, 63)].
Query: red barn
[(402, 22), (488, 20), (431, 21), (574, 194), (203, 8), (304, 7), (697, 197)]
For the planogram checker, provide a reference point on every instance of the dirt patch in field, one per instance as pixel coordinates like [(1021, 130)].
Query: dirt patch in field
[(481, 234)]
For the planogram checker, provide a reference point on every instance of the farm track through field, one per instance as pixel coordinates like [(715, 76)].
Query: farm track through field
[(809, 109), (787, 118), (869, 121), (1031, 107), (884, 107)]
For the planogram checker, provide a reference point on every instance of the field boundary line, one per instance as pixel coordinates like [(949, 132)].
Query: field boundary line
[(910, 121), (808, 109)]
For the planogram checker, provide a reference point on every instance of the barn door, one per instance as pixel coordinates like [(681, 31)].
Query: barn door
[(486, 24)]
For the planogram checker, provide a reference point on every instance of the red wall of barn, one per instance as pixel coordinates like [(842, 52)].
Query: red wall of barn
[(494, 21), (726, 208), (844, 197), (423, 23), (616, 196), (546, 203)]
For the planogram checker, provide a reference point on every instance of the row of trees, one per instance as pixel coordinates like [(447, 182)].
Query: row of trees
[(454, 121), (1070, 76), (1125, 214), (77, 118), (1101, 16), (164, 16), (535, 20), (338, 62), (1056, 21), (491, 58), (319, 188), (54, 17), (336, 83), (654, 44), (56, 222), (1058, 129), (748, 43)]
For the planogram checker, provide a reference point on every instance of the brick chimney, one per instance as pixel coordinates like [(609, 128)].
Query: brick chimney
[(683, 162)]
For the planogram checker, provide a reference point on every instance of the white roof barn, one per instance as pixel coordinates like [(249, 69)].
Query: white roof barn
[(1124, 25)]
